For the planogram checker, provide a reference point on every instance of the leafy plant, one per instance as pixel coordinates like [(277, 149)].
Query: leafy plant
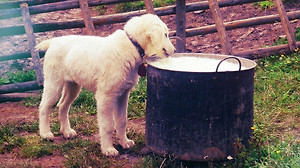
[(101, 9), (284, 40), (130, 6), (18, 76), (265, 4)]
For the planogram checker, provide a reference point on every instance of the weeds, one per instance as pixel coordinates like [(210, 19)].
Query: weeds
[(83, 153), (17, 77), (101, 9), (284, 40), (35, 147), (130, 6), (8, 140), (265, 4), (276, 111), (268, 4)]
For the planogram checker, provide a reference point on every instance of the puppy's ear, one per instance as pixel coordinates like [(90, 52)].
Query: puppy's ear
[(153, 34), (149, 34)]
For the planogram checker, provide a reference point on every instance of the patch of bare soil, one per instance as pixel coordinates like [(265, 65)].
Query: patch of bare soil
[(10, 160), (16, 112)]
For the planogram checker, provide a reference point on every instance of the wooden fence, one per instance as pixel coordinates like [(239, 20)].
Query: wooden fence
[(19, 9)]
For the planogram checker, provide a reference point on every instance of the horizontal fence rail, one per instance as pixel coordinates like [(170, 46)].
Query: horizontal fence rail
[(16, 4), (20, 87), (71, 4), (57, 6)]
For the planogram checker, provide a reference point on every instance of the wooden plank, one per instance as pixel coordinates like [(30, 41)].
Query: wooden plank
[(16, 3), (14, 97), (19, 55), (286, 25), (149, 6), (20, 87), (216, 14), (264, 52), (180, 25), (70, 4), (88, 22), (41, 27), (31, 40)]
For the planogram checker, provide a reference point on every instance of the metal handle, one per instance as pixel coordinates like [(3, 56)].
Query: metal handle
[(240, 64), (178, 38)]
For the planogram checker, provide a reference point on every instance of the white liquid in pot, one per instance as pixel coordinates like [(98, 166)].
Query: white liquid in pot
[(196, 64)]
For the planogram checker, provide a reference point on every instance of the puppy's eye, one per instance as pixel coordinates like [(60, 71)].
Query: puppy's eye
[(164, 50), (166, 35)]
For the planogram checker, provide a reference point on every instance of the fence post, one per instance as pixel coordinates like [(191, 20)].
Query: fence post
[(216, 14), (180, 25), (88, 22), (31, 40), (149, 6), (286, 25)]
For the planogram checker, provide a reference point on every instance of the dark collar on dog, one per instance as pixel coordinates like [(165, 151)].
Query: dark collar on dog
[(137, 45)]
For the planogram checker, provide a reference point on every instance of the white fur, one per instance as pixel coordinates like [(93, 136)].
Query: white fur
[(105, 65)]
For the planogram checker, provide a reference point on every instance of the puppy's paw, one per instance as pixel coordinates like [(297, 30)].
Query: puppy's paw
[(69, 133), (47, 135), (127, 144), (111, 152)]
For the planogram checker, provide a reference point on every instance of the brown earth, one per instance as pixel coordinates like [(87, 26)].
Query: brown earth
[(241, 39)]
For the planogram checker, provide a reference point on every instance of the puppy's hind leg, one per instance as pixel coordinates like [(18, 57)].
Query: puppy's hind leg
[(120, 119), (50, 95), (105, 107), (70, 92)]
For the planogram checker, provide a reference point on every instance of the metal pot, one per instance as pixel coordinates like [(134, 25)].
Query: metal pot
[(200, 116)]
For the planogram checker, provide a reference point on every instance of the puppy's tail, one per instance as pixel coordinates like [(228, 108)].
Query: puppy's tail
[(44, 45)]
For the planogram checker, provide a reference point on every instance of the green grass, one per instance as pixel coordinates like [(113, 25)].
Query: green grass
[(137, 100)]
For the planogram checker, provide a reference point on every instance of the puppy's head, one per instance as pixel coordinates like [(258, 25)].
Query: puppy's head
[(152, 34)]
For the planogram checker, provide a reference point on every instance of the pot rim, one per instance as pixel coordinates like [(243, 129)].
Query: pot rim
[(247, 63)]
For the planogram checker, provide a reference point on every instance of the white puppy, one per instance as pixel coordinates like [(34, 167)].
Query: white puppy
[(105, 65)]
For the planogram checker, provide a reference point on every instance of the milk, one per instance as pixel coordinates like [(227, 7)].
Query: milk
[(196, 64)]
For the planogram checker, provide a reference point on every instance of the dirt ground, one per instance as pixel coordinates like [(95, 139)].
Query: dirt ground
[(241, 39)]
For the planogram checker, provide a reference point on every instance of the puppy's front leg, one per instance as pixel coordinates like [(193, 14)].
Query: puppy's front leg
[(120, 118), (105, 106)]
